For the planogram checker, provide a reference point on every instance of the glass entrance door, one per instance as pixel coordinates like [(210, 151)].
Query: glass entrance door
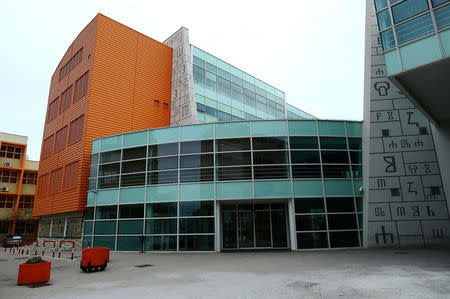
[(254, 226)]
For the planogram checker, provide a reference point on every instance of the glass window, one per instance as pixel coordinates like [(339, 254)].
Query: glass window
[(106, 212), (312, 240), (237, 80), (92, 171), (108, 182), (223, 86), (384, 19), (133, 166), (309, 205), (160, 243), (166, 149), (442, 16), (196, 225), (199, 61), (334, 156), (340, 204), (271, 157), (200, 107), (234, 173), (305, 157), (310, 222), (354, 143), (130, 227), (110, 156), (162, 177), (210, 111), (94, 159), (191, 147), (249, 98), (303, 142), (197, 175), (341, 221), (306, 171), (235, 144), (223, 116), (163, 163), (132, 180), (163, 209), (357, 171), (262, 143), (193, 161), (438, 2), (211, 80), (336, 171), (333, 143), (224, 74), (344, 239), (109, 169), (379, 4), (414, 28), (271, 172), (128, 243), (356, 157), (211, 67), (134, 153), (131, 211), (89, 214), (196, 208), (109, 242), (199, 75), (229, 159), (237, 92), (407, 9), (196, 243), (105, 227), (387, 39), (161, 226)]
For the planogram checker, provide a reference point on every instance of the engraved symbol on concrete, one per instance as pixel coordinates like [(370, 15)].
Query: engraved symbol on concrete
[(401, 211), (390, 115), (381, 183), (379, 72), (383, 235), (430, 211), (393, 144), (438, 233), (391, 167), (409, 119), (427, 168), (382, 88), (412, 168), (379, 212), (418, 143), (416, 211), (410, 188), (378, 40)]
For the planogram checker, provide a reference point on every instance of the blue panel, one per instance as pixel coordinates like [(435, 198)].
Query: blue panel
[(107, 197), (338, 188), (392, 62), (308, 188), (408, 9), (273, 189), (237, 190), (420, 52), (132, 195), (438, 2), (414, 29), (379, 4), (302, 127), (196, 132), (445, 42), (111, 143), (233, 129), (164, 135), (162, 193), (95, 146), (442, 16), (135, 139), (90, 199), (384, 19), (387, 39), (269, 128), (331, 128), (196, 191)]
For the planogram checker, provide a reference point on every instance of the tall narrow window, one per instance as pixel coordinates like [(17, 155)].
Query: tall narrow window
[(53, 110), (70, 179), (81, 87), (29, 178), (66, 99), (76, 130), (71, 64), (47, 147), (55, 180), (43, 184), (61, 137)]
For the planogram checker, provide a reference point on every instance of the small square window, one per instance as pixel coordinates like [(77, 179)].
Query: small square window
[(166, 106), (395, 192), (156, 103), (385, 132)]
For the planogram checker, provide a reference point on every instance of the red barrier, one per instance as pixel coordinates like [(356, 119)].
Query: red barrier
[(48, 241), (66, 241)]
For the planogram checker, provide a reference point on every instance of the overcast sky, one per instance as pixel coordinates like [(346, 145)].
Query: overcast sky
[(312, 50)]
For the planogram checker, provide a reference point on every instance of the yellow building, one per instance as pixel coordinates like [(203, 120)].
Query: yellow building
[(17, 188)]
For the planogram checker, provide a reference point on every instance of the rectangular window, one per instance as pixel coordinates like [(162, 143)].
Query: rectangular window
[(162, 177), (197, 208), (81, 87), (55, 180), (263, 143), (165, 209), (76, 130), (106, 212), (161, 226), (134, 153), (71, 64), (43, 184), (235, 144), (47, 147), (131, 211), (29, 178), (166, 149), (7, 176), (279, 157), (408, 9), (12, 152), (71, 175), (303, 142), (191, 147), (53, 110), (6, 201), (306, 171), (66, 99), (26, 202), (61, 137)]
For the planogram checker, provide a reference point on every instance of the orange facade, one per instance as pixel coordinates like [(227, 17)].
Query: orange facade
[(120, 82)]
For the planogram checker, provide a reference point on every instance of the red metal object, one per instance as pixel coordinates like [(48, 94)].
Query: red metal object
[(66, 241), (34, 273), (48, 241), (95, 258)]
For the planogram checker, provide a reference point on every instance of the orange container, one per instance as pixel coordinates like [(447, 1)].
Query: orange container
[(95, 258), (34, 273)]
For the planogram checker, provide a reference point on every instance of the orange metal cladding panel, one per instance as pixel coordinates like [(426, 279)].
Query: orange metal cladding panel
[(130, 71), (66, 200)]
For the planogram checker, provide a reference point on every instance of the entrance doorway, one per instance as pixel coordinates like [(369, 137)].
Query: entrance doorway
[(254, 226)]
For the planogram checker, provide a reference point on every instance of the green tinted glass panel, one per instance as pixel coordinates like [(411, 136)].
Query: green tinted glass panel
[(125, 243), (162, 193), (161, 209), (87, 241), (234, 190), (107, 197), (308, 188), (196, 191), (354, 129), (165, 135), (445, 42), (338, 187), (197, 132), (269, 128), (357, 185), (131, 195), (233, 129), (331, 128), (91, 199), (111, 143), (95, 146), (302, 128), (88, 225), (130, 227), (392, 62), (105, 227), (108, 242), (420, 52), (161, 226), (160, 243), (135, 139), (196, 243), (199, 53), (273, 189)]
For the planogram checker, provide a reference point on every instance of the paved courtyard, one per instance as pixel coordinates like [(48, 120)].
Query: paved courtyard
[(418, 273)]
